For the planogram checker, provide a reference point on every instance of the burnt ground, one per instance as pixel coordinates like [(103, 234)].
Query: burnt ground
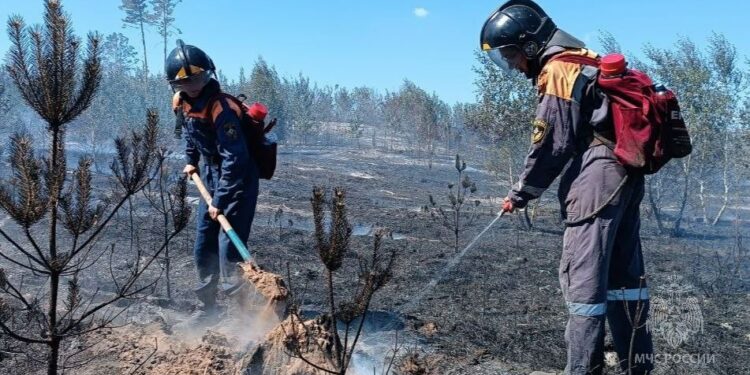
[(499, 311)]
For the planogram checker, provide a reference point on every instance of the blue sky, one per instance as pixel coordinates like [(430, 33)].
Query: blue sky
[(379, 43)]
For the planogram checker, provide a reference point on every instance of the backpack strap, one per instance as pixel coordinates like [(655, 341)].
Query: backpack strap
[(253, 133), (596, 138), (577, 59), (217, 98)]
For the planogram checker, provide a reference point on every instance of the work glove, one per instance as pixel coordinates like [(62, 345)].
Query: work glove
[(507, 205)]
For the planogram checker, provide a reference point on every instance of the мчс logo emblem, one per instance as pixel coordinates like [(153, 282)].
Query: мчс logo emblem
[(676, 316)]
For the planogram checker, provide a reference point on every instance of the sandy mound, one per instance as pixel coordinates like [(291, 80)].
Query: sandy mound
[(253, 342), (272, 357), (149, 350), (270, 285), (212, 356), (414, 363), (429, 329)]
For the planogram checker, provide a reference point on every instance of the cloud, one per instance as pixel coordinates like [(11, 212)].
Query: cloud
[(421, 12)]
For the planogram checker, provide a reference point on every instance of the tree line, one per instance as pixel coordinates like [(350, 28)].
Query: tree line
[(307, 113)]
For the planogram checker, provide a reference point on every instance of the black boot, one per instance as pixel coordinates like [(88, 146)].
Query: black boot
[(235, 288), (207, 314)]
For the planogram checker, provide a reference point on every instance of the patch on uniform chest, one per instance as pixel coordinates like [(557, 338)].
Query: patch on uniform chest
[(230, 129), (539, 130)]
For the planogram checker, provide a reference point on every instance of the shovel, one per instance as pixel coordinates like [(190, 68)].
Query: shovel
[(244, 253), (270, 285)]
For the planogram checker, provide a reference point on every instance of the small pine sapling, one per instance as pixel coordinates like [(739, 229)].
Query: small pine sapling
[(461, 211), (375, 270)]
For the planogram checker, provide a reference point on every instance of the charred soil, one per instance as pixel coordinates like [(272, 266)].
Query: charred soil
[(499, 311)]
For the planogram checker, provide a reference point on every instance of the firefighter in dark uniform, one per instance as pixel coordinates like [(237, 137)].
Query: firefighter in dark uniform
[(601, 270), (214, 144)]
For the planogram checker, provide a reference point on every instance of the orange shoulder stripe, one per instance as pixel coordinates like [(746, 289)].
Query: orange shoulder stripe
[(218, 108), (557, 78)]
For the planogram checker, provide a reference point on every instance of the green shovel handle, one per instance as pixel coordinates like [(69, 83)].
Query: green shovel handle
[(223, 220)]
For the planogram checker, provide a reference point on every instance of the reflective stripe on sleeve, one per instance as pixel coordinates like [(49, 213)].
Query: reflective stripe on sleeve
[(587, 309), (627, 294)]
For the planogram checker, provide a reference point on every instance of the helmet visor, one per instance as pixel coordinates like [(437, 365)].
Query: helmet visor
[(506, 58), (191, 85)]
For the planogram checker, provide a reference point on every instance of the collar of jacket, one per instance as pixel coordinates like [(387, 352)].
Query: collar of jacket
[(559, 42)]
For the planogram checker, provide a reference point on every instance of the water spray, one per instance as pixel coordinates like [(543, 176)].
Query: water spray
[(453, 262)]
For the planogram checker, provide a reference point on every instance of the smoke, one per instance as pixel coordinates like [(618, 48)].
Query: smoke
[(248, 323), (245, 322), (384, 339), (363, 366)]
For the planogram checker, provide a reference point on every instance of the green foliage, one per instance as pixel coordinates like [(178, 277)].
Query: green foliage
[(343, 104), (503, 113), (265, 86), (505, 103), (23, 197), (300, 99), (609, 43), (118, 56), (322, 103), (427, 112), (364, 109), (79, 211), (163, 18), (120, 104), (414, 113), (137, 15), (710, 84), (394, 112), (44, 63), (357, 108)]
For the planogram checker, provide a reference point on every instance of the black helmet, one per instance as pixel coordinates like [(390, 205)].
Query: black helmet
[(518, 24), (188, 68)]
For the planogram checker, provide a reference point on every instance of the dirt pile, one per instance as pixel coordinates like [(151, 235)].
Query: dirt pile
[(250, 328), (414, 363), (212, 356), (150, 350), (429, 329), (270, 285), (279, 353)]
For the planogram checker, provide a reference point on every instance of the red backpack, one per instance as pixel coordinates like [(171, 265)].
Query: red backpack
[(648, 127)]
